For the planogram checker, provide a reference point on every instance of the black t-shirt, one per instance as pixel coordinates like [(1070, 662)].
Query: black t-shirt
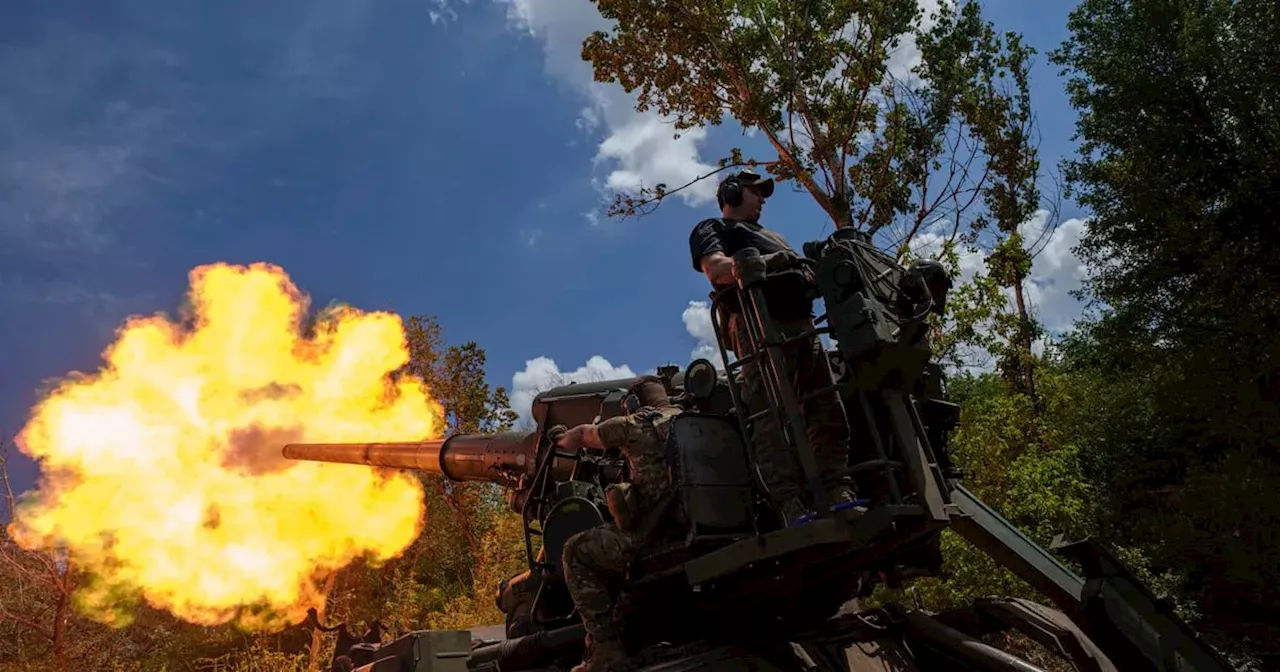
[(729, 236)]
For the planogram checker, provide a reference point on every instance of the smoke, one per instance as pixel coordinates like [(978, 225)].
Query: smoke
[(255, 450)]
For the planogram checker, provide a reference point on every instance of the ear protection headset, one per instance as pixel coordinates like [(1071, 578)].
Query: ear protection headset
[(731, 192)]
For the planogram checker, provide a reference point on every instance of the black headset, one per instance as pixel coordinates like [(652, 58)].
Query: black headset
[(731, 192)]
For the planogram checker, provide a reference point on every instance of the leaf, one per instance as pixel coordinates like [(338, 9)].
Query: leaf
[(814, 78)]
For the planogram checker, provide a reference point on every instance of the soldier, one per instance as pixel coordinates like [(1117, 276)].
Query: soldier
[(515, 599), (642, 510), (712, 244)]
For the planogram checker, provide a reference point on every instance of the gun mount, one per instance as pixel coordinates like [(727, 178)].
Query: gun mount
[(743, 591)]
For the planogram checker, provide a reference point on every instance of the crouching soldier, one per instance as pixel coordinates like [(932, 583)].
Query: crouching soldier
[(642, 510)]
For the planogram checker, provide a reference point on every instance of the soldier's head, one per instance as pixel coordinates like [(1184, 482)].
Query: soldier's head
[(648, 391), (742, 195)]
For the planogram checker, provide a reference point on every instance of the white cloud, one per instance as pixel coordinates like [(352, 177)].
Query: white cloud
[(530, 237), (907, 54), (542, 373), (929, 244), (697, 322), (1056, 272), (444, 12), (639, 148)]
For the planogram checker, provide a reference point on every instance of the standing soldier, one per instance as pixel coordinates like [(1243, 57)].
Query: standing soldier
[(712, 245), (642, 510)]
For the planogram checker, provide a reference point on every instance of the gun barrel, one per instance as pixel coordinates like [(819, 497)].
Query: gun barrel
[(495, 458)]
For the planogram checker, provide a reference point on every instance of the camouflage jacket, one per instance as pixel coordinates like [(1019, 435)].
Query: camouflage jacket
[(641, 437)]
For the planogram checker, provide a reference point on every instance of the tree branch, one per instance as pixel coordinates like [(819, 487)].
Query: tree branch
[(33, 626), (626, 206), (5, 442)]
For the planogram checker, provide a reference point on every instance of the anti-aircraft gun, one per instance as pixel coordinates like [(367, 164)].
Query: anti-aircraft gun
[(741, 590)]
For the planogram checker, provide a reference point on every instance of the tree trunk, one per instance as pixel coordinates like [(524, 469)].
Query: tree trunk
[(63, 602), (463, 522), (313, 663), (1024, 338)]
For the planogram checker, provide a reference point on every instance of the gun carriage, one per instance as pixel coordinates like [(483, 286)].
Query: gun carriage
[(743, 591)]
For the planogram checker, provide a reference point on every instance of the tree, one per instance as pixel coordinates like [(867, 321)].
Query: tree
[(1012, 195), (46, 578), (1179, 130), (455, 376), (877, 147), (39, 629), (470, 544), (815, 78), (1177, 163)]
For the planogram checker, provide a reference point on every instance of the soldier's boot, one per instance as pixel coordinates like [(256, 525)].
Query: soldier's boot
[(601, 655), (793, 511), (845, 498)]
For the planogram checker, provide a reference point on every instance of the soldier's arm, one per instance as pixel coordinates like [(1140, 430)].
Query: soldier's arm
[(614, 433), (718, 268), (582, 437), (591, 438), (618, 433), (706, 247)]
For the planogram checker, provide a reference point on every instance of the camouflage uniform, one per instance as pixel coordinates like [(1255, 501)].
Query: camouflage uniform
[(596, 560), (515, 599)]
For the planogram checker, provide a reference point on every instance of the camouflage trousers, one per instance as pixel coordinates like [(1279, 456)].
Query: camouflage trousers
[(595, 562), (827, 426), (515, 599)]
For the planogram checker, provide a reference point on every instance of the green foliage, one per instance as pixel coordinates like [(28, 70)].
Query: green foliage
[(1179, 134), (966, 334), (502, 555), (869, 145), (1155, 424), (1179, 130), (1177, 162), (455, 376), (258, 657), (470, 540), (1023, 467)]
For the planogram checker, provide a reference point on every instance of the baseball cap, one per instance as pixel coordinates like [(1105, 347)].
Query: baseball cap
[(750, 178)]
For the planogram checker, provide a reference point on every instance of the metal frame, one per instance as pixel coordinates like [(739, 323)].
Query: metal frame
[(764, 342), (762, 333)]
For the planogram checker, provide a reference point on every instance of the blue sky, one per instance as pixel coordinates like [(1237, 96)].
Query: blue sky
[(419, 156)]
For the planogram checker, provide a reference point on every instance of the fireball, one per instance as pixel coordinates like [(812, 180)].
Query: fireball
[(162, 476)]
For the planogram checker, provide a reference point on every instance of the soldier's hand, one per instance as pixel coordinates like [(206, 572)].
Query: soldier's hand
[(780, 260), (806, 269), (556, 432), (577, 438)]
